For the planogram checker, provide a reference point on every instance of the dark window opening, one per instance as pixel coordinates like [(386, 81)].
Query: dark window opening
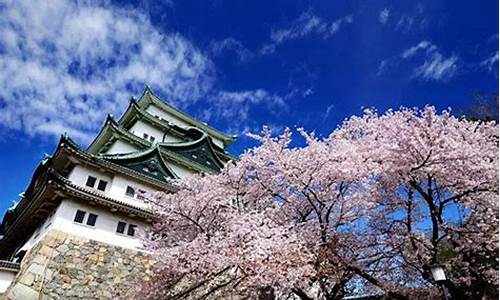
[(102, 185), (130, 191), (131, 229), (79, 216), (145, 135), (141, 195), (91, 181), (92, 219), (152, 139), (120, 228)]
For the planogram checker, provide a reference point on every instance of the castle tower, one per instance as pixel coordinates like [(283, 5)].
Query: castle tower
[(73, 232)]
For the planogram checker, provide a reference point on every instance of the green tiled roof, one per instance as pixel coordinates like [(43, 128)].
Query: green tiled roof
[(200, 151), (169, 151), (148, 162)]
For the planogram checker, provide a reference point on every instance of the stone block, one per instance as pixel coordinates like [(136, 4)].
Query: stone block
[(20, 291), (36, 269), (27, 279)]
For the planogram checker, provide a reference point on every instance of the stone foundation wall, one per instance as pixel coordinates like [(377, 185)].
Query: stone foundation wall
[(63, 266)]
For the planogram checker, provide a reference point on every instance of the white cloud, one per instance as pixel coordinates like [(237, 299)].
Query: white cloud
[(231, 44), (383, 16), (405, 23), (381, 67), (420, 46), (237, 104), (328, 111), (490, 62), (67, 63), (435, 65), (306, 24)]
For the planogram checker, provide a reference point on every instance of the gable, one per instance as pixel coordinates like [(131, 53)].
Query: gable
[(200, 152), (149, 163)]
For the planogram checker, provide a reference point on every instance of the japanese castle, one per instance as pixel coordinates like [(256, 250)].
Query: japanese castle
[(80, 213)]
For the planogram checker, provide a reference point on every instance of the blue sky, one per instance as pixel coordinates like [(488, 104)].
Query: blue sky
[(238, 65)]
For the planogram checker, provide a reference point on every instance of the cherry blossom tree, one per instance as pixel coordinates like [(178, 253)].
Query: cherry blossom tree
[(367, 209), (435, 181)]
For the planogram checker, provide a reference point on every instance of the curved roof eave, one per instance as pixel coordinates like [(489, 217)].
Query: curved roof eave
[(148, 94)]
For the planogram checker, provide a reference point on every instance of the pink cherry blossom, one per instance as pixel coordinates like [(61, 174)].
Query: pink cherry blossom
[(366, 210)]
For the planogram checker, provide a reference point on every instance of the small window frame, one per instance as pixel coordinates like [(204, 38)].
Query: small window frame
[(130, 191), (120, 227), (131, 230), (79, 216), (104, 184), (91, 219), (91, 181)]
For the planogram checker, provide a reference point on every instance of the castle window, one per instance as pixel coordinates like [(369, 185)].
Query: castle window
[(120, 228), (140, 194), (79, 216), (91, 181), (145, 136), (152, 139), (102, 185), (130, 191), (91, 219), (131, 229)]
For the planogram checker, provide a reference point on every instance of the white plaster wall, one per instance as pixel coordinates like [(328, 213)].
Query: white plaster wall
[(6, 277), (104, 229), (79, 176), (141, 127), (156, 111), (180, 170), (41, 230), (115, 188), (119, 187), (121, 147)]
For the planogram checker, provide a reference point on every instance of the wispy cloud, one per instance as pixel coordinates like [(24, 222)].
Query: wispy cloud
[(230, 44), (435, 66), (328, 111), (430, 63), (412, 20), (381, 67), (306, 24), (405, 23), (423, 45), (383, 16), (237, 105), (491, 62)]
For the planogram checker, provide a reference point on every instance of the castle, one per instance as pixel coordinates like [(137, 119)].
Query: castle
[(73, 232)]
